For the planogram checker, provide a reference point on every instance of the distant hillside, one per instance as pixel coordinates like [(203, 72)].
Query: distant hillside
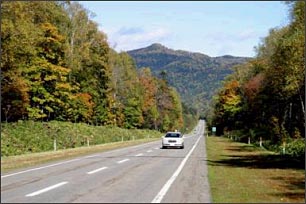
[(196, 76)]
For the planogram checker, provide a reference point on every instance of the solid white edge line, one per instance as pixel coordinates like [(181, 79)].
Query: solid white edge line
[(46, 189), (166, 187), (97, 170), (123, 161), (90, 156), (43, 167)]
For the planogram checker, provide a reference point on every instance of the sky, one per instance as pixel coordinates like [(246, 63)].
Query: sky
[(214, 28)]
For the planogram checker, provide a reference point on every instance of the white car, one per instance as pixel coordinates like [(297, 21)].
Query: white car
[(173, 139)]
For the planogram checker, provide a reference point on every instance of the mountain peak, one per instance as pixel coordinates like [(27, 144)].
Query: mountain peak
[(195, 76), (157, 46)]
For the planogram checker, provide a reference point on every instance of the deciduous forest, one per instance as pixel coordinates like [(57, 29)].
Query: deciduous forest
[(57, 65), (265, 98)]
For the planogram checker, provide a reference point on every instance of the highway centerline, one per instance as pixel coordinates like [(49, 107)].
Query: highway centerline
[(46, 189), (123, 161), (97, 170)]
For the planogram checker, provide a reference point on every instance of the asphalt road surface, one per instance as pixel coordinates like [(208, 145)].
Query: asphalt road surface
[(139, 174)]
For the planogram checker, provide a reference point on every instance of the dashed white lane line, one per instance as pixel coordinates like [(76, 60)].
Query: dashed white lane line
[(97, 170), (73, 160), (125, 160), (46, 189), (156, 148), (149, 151), (138, 155)]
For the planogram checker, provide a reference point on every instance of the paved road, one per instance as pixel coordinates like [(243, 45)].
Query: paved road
[(144, 173)]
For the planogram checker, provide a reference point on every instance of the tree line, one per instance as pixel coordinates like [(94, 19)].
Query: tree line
[(57, 65), (266, 96)]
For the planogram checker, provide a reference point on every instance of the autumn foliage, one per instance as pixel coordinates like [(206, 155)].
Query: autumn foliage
[(57, 65), (265, 98)]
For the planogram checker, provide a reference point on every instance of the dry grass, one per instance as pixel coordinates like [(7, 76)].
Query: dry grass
[(27, 160), (242, 173)]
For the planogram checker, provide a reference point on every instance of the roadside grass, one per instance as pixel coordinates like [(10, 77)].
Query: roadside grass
[(31, 159), (242, 173), (24, 137)]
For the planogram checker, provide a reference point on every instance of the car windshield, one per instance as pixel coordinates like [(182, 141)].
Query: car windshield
[(173, 135)]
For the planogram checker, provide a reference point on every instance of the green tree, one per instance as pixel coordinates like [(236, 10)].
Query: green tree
[(50, 92)]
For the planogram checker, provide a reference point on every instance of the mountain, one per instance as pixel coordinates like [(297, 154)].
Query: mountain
[(196, 76)]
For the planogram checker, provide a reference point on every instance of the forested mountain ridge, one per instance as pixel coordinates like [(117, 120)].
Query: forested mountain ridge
[(196, 76)]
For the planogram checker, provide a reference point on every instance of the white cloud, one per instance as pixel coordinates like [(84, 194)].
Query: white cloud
[(124, 39), (130, 31)]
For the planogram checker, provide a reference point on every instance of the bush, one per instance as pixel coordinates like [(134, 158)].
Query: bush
[(269, 145), (296, 148)]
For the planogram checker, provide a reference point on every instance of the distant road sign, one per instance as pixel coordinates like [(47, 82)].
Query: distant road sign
[(214, 129)]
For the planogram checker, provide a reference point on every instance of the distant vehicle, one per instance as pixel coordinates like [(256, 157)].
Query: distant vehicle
[(173, 139)]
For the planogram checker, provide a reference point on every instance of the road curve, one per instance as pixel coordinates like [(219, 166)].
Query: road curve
[(139, 174)]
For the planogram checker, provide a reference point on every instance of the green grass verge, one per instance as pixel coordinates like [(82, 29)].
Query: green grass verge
[(31, 137), (241, 173)]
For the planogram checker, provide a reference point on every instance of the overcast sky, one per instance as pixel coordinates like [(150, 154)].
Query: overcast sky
[(214, 28)]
